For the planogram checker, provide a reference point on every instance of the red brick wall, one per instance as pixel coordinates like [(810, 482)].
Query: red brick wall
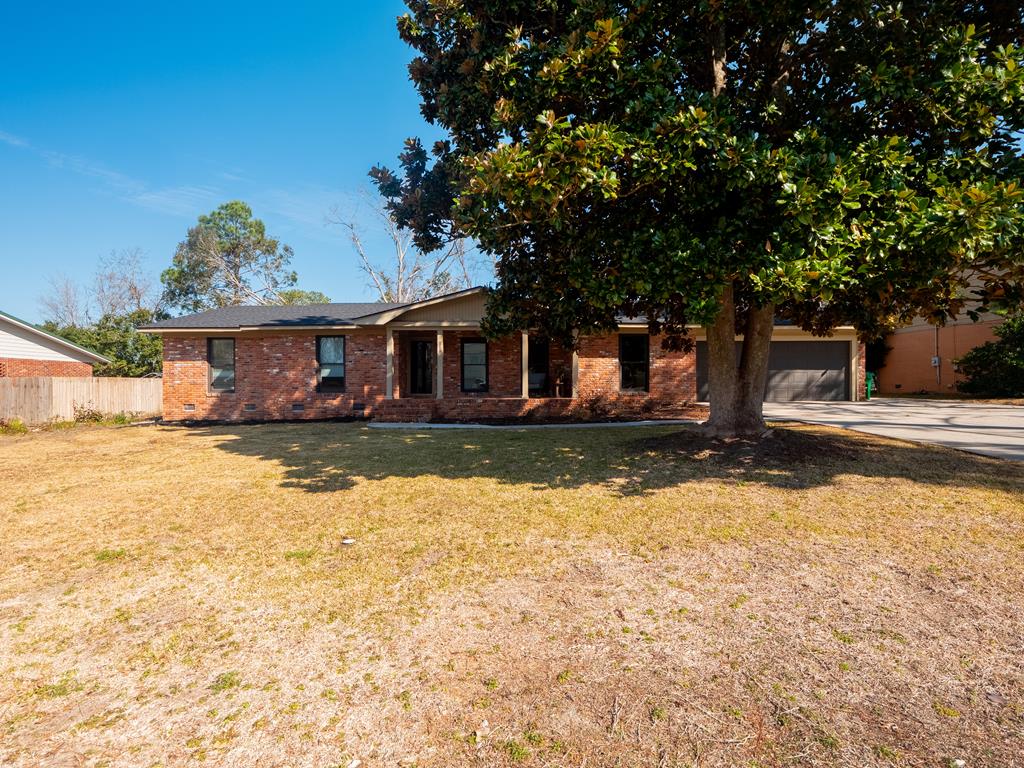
[(11, 367), (504, 375), (862, 371), (672, 379), (672, 375), (273, 372), (908, 366), (504, 366)]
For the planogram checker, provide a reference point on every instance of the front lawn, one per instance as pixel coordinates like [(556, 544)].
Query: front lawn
[(598, 597)]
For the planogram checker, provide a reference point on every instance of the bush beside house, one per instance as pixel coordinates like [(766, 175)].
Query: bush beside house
[(996, 368)]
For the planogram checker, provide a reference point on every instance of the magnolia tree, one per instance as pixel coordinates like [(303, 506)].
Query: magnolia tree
[(722, 164)]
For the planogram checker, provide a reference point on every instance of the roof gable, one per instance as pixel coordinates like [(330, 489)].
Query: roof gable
[(52, 339), (386, 316)]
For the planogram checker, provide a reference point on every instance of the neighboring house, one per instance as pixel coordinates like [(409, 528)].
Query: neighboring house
[(427, 360), (921, 356), (26, 350)]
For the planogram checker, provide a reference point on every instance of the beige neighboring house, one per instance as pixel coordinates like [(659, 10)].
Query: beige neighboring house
[(921, 356), (27, 350)]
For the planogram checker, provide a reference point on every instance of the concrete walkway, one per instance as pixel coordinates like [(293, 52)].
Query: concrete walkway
[(991, 430)]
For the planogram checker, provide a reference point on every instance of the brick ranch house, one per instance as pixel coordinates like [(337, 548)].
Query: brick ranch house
[(26, 350), (426, 360)]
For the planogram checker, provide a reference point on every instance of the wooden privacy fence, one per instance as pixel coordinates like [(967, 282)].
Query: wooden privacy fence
[(38, 399)]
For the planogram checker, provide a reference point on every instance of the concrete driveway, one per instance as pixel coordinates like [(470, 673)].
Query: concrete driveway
[(991, 430)]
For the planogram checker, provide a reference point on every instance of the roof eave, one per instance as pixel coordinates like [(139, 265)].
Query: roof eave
[(158, 330)]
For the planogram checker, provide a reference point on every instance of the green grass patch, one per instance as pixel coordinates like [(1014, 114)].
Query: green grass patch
[(944, 710), (67, 685), (109, 555), (516, 751), (226, 681)]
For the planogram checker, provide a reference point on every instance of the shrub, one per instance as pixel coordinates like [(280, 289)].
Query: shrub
[(996, 368), (85, 413), (13, 427)]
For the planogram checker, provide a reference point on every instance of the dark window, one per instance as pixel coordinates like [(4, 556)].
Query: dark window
[(220, 353), (634, 360), (330, 357), (474, 366)]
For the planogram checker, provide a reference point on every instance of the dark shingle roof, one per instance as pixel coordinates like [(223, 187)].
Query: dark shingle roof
[(292, 315)]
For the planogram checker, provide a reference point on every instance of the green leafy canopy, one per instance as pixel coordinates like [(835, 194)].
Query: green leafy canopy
[(226, 259), (115, 337), (854, 162)]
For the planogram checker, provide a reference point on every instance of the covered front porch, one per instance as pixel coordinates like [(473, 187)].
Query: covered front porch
[(446, 363)]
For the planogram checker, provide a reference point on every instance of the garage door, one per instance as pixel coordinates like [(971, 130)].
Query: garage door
[(797, 370)]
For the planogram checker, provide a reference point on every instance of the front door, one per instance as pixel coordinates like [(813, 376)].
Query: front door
[(540, 384), (421, 367)]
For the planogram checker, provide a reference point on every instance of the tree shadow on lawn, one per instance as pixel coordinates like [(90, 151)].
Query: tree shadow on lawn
[(328, 457)]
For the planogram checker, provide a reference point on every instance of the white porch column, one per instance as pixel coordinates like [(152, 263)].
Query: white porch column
[(389, 370), (439, 365), (575, 373), (524, 358)]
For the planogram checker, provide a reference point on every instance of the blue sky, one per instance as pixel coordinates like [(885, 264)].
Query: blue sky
[(120, 123)]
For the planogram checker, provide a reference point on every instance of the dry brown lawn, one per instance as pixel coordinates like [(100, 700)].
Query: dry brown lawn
[(603, 597)]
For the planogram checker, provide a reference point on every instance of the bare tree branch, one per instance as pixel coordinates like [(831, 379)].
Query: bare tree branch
[(120, 285), (63, 305), (408, 274)]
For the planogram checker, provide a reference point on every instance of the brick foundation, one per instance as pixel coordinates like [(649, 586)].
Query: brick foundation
[(14, 367), (500, 409)]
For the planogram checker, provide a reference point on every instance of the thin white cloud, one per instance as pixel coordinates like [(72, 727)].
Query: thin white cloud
[(11, 139), (115, 180), (306, 209), (187, 200), (302, 210)]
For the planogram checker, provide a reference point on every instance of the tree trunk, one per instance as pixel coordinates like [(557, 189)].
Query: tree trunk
[(737, 386)]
